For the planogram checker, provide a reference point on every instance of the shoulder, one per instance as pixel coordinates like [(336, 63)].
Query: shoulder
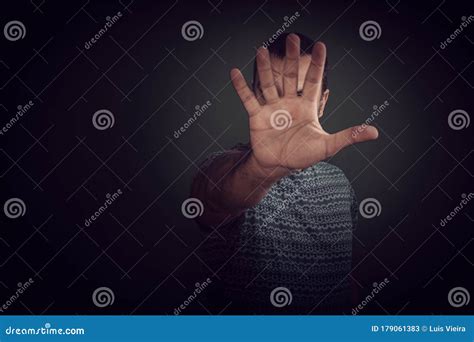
[(325, 174)]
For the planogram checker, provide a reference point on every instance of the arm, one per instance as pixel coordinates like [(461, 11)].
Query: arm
[(285, 135), (232, 183)]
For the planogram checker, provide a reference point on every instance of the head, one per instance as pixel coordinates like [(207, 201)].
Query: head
[(277, 51)]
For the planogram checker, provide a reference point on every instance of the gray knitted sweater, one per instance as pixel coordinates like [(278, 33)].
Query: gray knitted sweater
[(291, 253)]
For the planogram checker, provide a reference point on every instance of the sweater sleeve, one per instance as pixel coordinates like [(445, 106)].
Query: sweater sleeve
[(210, 170)]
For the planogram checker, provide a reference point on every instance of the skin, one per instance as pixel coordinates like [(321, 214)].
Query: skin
[(278, 67), (238, 181)]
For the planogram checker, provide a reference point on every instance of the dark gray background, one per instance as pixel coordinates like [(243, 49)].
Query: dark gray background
[(151, 78)]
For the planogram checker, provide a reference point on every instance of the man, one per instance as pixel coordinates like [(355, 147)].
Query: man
[(278, 219)]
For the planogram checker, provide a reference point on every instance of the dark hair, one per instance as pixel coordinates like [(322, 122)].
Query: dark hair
[(278, 49)]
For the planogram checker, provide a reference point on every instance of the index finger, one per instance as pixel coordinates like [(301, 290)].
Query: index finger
[(246, 95)]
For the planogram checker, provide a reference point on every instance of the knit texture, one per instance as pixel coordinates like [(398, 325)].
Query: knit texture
[(298, 237)]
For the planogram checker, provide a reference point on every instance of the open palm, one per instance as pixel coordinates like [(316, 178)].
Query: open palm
[(285, 131)]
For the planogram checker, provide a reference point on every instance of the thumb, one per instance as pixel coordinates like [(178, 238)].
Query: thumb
[(337, 141)]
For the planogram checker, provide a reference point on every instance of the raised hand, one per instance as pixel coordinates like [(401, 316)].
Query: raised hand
[(285, 131)]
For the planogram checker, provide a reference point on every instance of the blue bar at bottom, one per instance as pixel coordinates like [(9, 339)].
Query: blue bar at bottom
[(237, 328)]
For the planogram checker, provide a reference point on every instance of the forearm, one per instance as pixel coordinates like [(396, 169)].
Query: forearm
[(247, 184), (233, 184)]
